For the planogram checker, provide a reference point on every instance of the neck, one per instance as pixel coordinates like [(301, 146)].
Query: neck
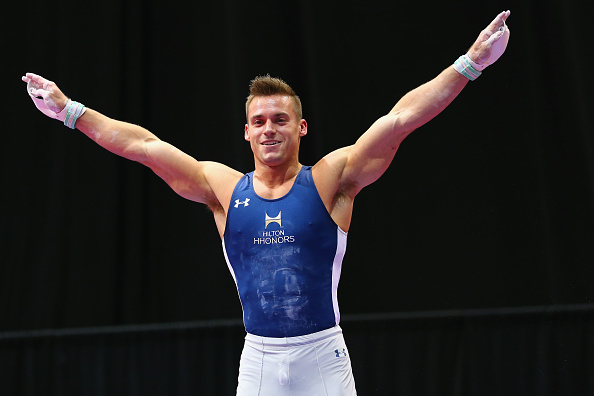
[(276, 176)]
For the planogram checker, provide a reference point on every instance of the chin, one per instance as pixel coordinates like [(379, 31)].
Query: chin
[(271, 158), (272, 162)]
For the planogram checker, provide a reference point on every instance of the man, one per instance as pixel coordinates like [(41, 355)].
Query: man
[(284, 225)]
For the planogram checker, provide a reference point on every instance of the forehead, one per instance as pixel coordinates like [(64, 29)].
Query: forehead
[(262, 105)]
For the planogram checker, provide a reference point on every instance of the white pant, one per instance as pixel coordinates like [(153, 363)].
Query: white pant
[(309, 365)]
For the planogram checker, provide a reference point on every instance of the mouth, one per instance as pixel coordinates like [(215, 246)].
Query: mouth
[(270, 143)]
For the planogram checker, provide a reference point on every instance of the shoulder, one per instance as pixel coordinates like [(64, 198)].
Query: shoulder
[(333, 162), (218, 171), (221, 180), (328, 173)]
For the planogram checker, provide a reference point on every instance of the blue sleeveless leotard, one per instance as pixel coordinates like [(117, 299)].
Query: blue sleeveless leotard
[(285, 256)]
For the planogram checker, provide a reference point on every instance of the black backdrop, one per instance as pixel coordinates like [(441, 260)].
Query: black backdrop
[(487, 206)]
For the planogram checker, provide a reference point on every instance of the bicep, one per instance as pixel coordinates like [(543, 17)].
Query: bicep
[(373, 152), (199, 181)]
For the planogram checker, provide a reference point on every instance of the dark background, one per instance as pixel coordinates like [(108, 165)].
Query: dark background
[(490, 205)]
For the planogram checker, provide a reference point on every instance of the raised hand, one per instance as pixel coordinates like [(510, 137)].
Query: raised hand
[(491, 42), (46, 95)]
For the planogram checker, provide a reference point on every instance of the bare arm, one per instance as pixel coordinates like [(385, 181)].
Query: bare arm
[(370, 156), (198, 181)]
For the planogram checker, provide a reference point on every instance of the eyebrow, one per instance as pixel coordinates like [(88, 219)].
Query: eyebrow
[(281, 114)]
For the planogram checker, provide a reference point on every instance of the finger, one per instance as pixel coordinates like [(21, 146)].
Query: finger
[(498, 21), (33, 80), (34, 86), (494, 37), (38, 93), (33, 76), (37, 79)]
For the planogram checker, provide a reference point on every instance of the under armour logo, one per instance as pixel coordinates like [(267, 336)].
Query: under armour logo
[(276, 220), (244, 203), (340, 353)]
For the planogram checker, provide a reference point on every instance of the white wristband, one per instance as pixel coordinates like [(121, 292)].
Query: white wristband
[(465, 66), (72, 113)]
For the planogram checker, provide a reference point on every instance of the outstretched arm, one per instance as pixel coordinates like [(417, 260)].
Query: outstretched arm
[(370, 156), (197, 181)]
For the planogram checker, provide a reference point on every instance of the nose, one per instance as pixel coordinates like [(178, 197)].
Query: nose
[(269, 128)]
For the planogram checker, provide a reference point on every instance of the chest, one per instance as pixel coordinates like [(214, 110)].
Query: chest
[(298, 214)]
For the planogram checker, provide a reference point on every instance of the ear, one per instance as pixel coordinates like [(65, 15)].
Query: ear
[(302, 128), (246, 134)]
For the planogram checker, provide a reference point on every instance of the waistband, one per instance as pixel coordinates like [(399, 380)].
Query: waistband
[(293, 341)]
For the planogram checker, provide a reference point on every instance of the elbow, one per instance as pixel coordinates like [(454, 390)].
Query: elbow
[(402, 126), (140, 151)]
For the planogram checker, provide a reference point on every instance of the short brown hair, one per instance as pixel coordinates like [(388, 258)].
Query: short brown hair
[(268, 86)]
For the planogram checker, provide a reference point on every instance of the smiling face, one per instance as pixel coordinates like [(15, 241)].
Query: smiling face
[(274, 130)]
